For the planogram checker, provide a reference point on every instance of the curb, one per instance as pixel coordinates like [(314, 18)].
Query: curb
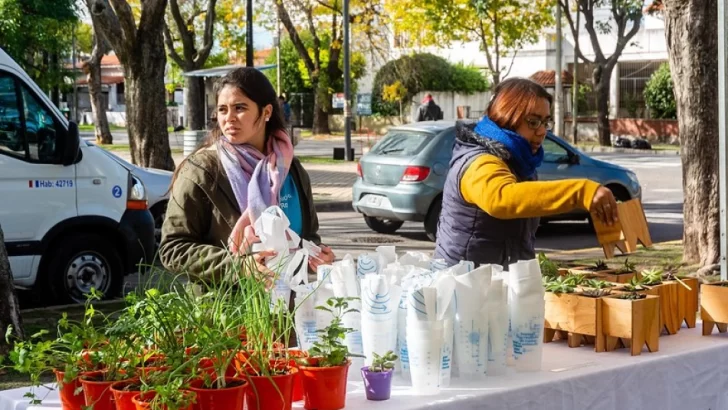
[(334, 206), (627, 150)]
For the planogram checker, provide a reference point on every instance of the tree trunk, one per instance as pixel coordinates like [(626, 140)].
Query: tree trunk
[(195, 103), (146, 109), (602, 81), (320, 116), (9, 307), (690, 28), (101, 123)]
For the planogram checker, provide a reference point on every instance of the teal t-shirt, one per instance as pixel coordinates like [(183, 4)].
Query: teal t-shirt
[(290, 203)]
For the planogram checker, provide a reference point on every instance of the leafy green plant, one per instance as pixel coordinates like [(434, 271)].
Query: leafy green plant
[(631, 296), (596, 293), (560, 285), (652, 276), (635, 284), (575, 279), (598, 284), (383, 363), (329, 351), (548, 267), (628, 267), (660, 95)]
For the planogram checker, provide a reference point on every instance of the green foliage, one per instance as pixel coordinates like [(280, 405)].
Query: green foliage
[(329, 350), (423, 72), (548, 268), (596, 293), (561, 284), (383, 363), (652, 276), (635, 284), (291, 77), (598, 284), (660, 95), (628, 267), (37, 35)]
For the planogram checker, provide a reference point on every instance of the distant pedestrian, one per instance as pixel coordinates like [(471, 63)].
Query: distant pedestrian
[(429, 111), (286, 108)]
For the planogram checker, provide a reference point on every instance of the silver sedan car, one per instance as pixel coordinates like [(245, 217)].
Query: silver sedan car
[(402, 177)]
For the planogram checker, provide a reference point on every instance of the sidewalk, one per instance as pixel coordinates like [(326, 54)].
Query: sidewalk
[(331, 183)]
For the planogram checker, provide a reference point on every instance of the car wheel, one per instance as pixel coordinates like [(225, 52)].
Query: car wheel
[(383, 225), (433, 217), (80, 263)]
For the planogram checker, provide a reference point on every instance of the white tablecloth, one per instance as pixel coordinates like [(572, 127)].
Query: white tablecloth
[(690, 372)]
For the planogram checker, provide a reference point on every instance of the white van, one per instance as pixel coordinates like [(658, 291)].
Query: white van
[(73, 217)]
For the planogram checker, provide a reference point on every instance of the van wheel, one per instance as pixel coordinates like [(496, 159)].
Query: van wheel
[(80, 263), (433, 217), (382, 225)]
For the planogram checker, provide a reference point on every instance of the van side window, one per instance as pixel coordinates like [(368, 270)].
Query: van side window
[(40, 130), (11, 128), (27, 128)]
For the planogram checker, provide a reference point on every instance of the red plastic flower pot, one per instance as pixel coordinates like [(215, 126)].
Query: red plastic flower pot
[(123, 395), (97, 391), (143, 401), (270, 393), (297, 379), (324, 388), (69, 399), (232, 397)]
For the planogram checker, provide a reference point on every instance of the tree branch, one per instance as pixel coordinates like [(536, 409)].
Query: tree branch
[(207, 38), (623, 40), (295, 38), (328, 6), (588, 13), (574, 30), (153, 14), (170, 49), (188, 44), (126, 20), (106, 24)]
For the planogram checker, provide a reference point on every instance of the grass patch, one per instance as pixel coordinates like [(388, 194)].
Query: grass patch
[(659, 255), (126, 148)]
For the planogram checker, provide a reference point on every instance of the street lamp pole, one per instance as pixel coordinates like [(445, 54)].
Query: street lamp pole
[(249, 34), (347, 91)]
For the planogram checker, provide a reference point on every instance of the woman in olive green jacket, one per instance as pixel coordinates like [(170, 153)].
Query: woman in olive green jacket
[(245, 166)]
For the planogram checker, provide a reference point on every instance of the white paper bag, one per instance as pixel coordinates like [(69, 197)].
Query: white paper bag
[(527, 314), (471, 322), (498, 319), (380, 306)]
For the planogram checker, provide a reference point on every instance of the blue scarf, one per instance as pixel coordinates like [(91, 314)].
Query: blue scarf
[(524, 161)]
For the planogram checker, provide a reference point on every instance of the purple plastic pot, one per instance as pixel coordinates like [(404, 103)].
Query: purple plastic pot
[(378, 385)]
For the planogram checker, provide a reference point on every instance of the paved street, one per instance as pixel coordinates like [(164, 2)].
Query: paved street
[(661, 180)]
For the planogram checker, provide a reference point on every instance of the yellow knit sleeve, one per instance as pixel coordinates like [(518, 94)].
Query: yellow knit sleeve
[(490, 184)]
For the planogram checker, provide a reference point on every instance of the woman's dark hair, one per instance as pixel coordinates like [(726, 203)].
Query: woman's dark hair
[(254, 85), (513, 99)]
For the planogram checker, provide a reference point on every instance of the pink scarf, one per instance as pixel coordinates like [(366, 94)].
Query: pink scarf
[(256, 180)]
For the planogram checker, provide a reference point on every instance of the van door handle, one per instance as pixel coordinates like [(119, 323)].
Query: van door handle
[(96, 181)]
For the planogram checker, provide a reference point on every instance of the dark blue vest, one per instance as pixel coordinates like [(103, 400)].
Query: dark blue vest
[(466, 232)]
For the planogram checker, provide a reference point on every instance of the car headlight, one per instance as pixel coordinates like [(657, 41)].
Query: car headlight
[(137, 197)]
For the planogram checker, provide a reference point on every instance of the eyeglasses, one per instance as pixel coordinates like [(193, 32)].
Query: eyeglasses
[(534, 123)]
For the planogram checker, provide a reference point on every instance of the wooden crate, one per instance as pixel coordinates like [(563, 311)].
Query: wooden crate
[(627, 232), (688, 301), (617, 278), (579, 316), (671, 315), (714, 307), (634, 322)]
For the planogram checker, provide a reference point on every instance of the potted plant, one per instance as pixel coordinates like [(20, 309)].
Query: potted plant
[(599, 268), (169, 396), (713, 307), (325, 371), (623, 274), (68, 356), (632, 316), (378, 376), (566, 311), (687, 294)]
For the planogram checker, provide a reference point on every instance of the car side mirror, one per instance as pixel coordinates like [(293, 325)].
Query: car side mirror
[(72, 145), (574, 159)]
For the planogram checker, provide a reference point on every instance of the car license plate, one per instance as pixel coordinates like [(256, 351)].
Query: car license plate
[(374, 200)]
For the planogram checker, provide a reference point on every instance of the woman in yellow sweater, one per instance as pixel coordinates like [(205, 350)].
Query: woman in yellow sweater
[(492, 199)]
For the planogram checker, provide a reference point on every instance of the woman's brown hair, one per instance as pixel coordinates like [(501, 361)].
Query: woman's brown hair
[(256, 86), (513, 99)]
